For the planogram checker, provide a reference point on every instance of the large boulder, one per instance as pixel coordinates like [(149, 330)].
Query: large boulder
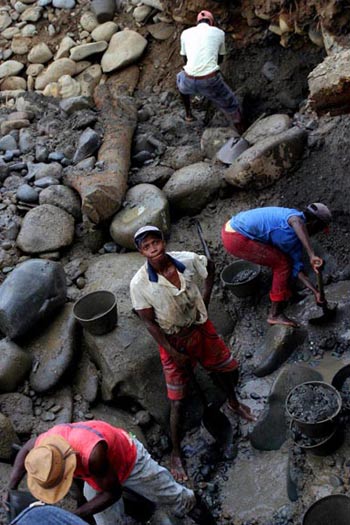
[(144, 204), (62, 197), (46, 228), (191, 188), (7, 438), (270, 431), (19, 409), (15, 364), (52, 349), (128, 356), (280, 342), (125, 48), (31, 293), (267, 127), (329, 84), (261, 165)]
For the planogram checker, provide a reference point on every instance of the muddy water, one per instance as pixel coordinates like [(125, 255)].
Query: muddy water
[(257, 485)]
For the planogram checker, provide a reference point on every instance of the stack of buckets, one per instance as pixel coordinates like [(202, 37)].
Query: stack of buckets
[(325, 436)]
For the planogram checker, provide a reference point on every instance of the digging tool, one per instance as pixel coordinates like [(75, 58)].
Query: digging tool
[(203, 241), (234, 147), (329, 311), (214, 421)]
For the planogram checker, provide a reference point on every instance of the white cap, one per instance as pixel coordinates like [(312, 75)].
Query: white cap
[(144, 231)]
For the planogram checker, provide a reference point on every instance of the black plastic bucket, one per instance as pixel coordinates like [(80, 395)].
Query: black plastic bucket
[(97, 312), (244, 288), (331, 510), (338, 381), (320, 428), (318, 446)]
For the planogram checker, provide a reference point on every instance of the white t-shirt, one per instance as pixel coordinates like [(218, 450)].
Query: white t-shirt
[(174, 308), (202, 44)]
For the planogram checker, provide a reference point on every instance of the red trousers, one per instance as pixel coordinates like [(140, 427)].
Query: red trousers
[(266, 255), (202, 345)]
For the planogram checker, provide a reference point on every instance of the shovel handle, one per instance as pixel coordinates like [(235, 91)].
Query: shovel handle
[(320, 284), (203, 241)]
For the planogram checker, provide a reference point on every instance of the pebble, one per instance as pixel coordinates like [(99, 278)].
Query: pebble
[(80, 283)]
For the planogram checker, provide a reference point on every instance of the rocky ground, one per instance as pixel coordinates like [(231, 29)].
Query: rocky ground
[(92, 147)]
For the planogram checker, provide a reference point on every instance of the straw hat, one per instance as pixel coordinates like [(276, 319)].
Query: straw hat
[(50, 468)]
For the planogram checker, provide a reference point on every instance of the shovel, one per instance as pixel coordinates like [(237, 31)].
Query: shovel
[(234, 147), (329, 311)]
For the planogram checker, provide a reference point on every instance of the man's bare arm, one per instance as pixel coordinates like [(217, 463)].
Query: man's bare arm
[(299, 227), (147, 316), (18, 470)]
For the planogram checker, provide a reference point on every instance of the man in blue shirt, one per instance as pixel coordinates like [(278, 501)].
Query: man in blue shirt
[(275, 237)]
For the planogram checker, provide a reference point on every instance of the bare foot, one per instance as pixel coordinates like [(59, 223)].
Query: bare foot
[(189, 118), (242, 411), (281, 319), (177, 468)]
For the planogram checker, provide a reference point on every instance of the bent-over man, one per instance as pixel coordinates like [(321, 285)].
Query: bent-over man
[(107, 459), (165, 295), (275, 237)]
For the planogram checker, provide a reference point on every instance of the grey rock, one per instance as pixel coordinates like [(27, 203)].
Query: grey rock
[(40, 170), (45, 229), (26, 140), (62, 197), (41, 153), (280, 342), (270, 431), (86, 380), (63, 398), (190, 189), (4, 170), (89, 142), (31, 293), (119, 418), (157, 175), (72, 104), (14, 365), (261, 165), (19, 409), (123, 370), (52, 350), (181, 156), (56, 156), (7, 142), (267, 127), (8, 436), (144, 204), (12, 182), (86, 164), (26, 193), (45, 182), (63, 4), (269, 70)]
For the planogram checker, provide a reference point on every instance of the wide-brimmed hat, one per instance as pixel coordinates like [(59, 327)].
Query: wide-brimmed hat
[(50, 468)]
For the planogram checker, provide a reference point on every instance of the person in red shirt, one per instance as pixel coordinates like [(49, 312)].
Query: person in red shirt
[(107, 459)]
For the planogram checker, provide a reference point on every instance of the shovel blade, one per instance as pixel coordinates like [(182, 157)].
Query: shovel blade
[(218, 425), (329, 313), (232, 149)]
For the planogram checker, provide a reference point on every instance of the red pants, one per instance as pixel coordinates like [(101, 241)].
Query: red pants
[(202, 345), (266, 255)]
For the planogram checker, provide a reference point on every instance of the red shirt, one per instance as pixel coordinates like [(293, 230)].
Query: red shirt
[(84, 436)]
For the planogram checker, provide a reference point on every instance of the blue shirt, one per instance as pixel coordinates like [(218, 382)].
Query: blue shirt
[(270, 226)]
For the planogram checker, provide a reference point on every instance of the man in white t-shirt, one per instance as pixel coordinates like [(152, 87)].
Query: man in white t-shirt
[(203, 49)]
